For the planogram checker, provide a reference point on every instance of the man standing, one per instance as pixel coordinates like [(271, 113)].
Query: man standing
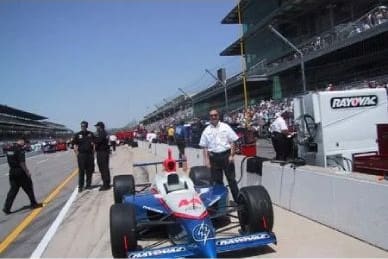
[(170, 135), (113, 139), (218, 142), (151, 138), (180, 140), (279, 132), (102, 149), (83, 148), (19, 176)]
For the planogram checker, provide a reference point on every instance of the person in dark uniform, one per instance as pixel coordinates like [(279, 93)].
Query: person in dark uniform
[(101, 146), (83, 147), (19, 176)]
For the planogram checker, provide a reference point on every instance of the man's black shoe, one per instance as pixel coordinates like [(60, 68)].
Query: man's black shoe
[(88, 187), (104, 188), (80, 189), (6, 211), (36, 205)]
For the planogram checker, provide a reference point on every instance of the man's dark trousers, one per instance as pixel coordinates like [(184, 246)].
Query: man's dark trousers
[(86, 166), (220, 163), (279, 142), (18, 178), (181, 144), (103, 166)]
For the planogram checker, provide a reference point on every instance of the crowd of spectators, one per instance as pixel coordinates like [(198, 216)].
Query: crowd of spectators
[(257, 117)]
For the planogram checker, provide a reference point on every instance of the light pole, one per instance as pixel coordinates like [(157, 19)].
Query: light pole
[(224, 85), (185, 94), (297, 50)]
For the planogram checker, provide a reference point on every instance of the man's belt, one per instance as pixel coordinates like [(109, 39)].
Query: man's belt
[(226, 152)]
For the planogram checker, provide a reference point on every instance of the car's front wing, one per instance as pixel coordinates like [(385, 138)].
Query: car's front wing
[(223, 245)]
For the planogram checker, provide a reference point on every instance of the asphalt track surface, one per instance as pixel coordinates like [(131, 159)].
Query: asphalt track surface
[(84, 230), (48, 172)]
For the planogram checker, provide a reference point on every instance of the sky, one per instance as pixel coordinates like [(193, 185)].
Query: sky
[(112, 60)]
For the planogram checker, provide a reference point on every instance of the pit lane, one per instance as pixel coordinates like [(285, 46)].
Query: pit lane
[(84, 230)]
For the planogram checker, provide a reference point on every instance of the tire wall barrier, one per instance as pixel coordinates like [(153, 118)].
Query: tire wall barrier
[(354, 204)]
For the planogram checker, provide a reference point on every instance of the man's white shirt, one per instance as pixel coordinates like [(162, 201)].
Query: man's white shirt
[(112, 138), (279, 125), (150, 136), (218, 138)]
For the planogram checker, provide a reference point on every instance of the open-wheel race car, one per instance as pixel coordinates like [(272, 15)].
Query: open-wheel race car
[(186, 208)]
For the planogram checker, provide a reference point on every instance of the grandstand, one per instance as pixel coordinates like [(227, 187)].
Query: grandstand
[(15, 122), (344, 43)]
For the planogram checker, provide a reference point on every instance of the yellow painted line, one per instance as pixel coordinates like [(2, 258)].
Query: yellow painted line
[(27, 220)]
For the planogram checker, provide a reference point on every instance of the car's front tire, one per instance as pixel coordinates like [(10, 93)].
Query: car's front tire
[(122, 229), (255, 209), (123, 184)]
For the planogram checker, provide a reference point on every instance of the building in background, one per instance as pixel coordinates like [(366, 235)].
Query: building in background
[(343, 42), (15, 123), (344, 45)]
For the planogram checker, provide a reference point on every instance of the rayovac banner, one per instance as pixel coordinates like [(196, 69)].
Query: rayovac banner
[(353, 101)]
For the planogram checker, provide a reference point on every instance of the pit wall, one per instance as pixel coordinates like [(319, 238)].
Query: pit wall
[(355, 204)]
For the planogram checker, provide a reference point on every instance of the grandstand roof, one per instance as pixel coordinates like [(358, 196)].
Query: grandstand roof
[(20, 113), (290, 8), (232, 16)]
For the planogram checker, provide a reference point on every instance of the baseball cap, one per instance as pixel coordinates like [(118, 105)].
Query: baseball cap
[(100, 123)]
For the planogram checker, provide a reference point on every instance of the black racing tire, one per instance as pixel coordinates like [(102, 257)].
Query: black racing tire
[(123, 236), (255, 211), (123, 184), (200, 175)]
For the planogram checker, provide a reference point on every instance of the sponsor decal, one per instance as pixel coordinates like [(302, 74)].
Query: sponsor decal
[(157, 252), (152, 209), (202, 232), (353, 101), (238, 240), (193, 201)]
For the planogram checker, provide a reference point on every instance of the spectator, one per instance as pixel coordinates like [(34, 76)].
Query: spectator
[(113, 141), (279, 131), (151, 138), (170, 135), (180, 140)]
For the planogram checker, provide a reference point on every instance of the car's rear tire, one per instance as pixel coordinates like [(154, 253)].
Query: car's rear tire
[(123, 184), (200, 175), (255, 213), (122, 229)]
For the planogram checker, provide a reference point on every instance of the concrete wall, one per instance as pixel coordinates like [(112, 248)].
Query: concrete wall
[(355, 204)]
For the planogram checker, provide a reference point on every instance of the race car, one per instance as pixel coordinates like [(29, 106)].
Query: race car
[(186, 208)]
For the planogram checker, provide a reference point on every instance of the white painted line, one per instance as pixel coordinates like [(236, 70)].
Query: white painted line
[(41, 161), (54, 227)]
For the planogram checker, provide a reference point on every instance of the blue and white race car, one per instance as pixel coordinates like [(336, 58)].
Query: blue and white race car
[(185, 208)]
